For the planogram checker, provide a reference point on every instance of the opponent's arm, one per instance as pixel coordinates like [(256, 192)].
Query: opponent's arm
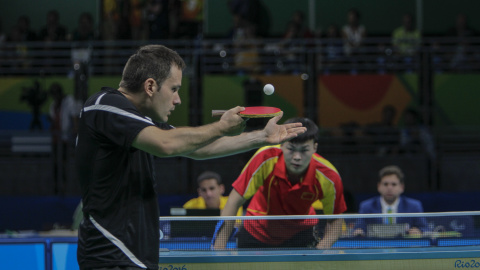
[(272, 134), (333, 230), (235, 200), (182, 141)]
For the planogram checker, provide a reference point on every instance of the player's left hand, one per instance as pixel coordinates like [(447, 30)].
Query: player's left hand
[(276, 134), (414, 231)]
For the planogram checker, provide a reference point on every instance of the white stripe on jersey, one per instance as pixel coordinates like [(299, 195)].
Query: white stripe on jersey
[(118, 243), (99, 98), (108, 108)]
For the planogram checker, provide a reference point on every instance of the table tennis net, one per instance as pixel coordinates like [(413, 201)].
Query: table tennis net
[(309, 232)]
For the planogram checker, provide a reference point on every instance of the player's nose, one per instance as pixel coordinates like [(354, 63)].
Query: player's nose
[(176, 99)]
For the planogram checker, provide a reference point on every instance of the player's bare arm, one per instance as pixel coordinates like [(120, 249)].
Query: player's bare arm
[(270, 135), (332, 233), (182, 141), (235, 200)]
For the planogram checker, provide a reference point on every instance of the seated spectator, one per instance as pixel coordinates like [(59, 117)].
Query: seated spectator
[(210, 191), (85, 30), (296, 27), (296, 38), (391, 186), (157, 12), (19, 34), (384, 135), (461, 56), (248, 13), (406, 42), (406, 39), (245, 46), (53, 30), (332, 49), (415, 137), (353, 33), (22, 31)]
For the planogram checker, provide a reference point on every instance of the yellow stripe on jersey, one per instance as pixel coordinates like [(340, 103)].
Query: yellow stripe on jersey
[(329, 192), (262, 171), (328, 186), (325, 162), (256, 153), (256, 181)]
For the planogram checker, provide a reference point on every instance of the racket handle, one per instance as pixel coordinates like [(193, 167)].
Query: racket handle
[(218, 113)]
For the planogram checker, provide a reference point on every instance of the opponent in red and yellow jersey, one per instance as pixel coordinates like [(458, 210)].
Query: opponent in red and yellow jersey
[(286, 180)]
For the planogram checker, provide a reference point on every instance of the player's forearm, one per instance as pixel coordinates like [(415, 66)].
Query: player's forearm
[(332, 233), (226, 146), (176, 142), (223, 234)]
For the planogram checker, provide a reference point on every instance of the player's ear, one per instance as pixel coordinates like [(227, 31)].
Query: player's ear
[(222, 188), (315, 146), (149, 86)]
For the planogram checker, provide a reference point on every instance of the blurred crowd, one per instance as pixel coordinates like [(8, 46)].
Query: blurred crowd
[(348, 44), (121, 20)]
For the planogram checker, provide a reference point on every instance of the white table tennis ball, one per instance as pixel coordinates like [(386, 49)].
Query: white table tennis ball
[(268, 89)]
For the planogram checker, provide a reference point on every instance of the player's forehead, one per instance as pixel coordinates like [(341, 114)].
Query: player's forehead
[(309, 144), (175, 77)]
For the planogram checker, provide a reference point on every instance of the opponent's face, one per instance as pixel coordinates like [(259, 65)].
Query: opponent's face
[(166, 98), (390, 188), (211, 192), (298, 155)]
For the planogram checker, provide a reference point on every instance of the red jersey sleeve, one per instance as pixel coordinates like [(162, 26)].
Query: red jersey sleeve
[(256, 171)]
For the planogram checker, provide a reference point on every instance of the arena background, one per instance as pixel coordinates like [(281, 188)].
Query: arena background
[(449, 183)]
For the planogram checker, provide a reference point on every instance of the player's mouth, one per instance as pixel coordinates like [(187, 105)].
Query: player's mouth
[(296, 166)]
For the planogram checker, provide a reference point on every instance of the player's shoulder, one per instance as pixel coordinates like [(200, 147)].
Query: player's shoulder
[(272, 150), (111, 96), (323, 164), (106, 96)]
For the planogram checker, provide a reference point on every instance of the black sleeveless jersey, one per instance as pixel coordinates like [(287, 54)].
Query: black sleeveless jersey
[(120, 206)]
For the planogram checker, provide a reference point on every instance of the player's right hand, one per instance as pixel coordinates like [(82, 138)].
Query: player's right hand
[(232, 123)]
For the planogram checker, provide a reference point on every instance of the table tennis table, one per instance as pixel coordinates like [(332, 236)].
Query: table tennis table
[(450, 243), (378, 258)]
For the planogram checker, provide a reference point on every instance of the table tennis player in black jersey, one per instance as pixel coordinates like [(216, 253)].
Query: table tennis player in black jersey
[(120, 130)]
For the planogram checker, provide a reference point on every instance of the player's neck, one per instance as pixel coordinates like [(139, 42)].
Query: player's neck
[(134, 98), (294, 178)]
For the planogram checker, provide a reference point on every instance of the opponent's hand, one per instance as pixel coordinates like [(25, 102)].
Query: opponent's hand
[(231, 123), (415, 232), (277, 134), (358, 232)]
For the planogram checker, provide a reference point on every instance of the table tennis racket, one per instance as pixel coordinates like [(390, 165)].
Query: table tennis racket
[(253, 112)]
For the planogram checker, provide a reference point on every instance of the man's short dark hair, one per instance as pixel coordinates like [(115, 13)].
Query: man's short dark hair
[(150, 61), (389, 170), (310, 134), (209, 175)]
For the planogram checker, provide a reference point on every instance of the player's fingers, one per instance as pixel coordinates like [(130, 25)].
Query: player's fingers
[(238, 109), (292, 125), (296, 131), (277, 118), (300, 130)]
